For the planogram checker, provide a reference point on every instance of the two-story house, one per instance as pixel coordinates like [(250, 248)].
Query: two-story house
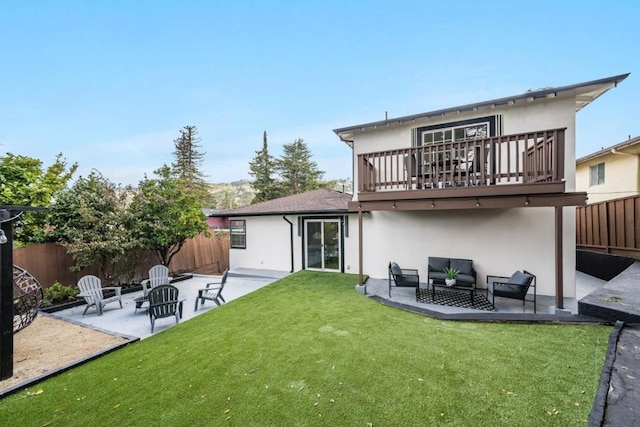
[(492, 181), (610, 173)]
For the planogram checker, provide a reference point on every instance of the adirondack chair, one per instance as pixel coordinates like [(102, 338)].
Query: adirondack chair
[(158, 275), (213, 291), (164, 302), (93, 293)]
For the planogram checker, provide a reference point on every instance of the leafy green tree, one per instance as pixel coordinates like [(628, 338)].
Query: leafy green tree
[(89, 221), (25, 182), (187, 164), (298, 173), (162, 216), (261, 169)]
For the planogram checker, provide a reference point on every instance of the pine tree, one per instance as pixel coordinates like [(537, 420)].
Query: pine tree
[(188, 161), (298, 173), (261, 168)]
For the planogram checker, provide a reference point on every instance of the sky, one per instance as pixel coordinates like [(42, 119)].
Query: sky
[(109, 84)]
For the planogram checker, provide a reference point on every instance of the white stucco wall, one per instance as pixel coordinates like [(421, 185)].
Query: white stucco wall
[(498, 241), (269, 244)]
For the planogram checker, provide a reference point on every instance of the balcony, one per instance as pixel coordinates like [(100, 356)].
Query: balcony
[(502, 171)]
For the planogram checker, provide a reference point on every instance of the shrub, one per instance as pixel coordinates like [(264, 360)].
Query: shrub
[(59, 293)]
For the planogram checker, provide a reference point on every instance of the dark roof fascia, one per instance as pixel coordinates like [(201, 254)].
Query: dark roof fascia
[(607, 150), (494, 102), (235, 215)]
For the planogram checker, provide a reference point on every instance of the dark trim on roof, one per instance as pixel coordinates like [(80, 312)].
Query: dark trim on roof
[(607, 150), (324, 212), (494, 102)]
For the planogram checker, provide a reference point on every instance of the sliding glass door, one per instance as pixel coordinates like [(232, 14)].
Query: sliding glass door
[(322, 244)]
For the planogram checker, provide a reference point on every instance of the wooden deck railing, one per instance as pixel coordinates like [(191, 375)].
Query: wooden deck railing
[(508, 159)]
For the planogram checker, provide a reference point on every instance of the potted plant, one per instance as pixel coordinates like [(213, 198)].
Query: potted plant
[(450, 276)]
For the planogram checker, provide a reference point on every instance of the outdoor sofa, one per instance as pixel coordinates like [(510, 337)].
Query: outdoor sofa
[(466, 274)]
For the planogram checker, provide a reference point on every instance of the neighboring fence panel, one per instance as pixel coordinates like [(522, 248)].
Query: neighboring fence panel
[(49, 262), (611, 227)]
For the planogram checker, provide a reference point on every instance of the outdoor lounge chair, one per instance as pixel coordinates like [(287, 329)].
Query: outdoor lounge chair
[(164, 302), (158, 275), (93, 293), (514, 287), (407, 278), (213, 291)]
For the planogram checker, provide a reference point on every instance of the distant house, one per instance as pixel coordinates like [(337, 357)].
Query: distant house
[(215, 222), (610, 173), (310, 230)]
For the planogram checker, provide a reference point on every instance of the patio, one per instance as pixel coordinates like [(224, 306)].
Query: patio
[(129, 322), (585, 284)]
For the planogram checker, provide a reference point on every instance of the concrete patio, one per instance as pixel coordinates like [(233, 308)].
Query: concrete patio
[(129, 322), (585, 284)]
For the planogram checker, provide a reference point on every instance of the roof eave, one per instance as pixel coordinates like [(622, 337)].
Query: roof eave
[(582, 100), (307, 212)]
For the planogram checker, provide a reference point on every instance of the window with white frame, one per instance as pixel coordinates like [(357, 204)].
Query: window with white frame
[(596, 174), (238, 232), (458, 131)]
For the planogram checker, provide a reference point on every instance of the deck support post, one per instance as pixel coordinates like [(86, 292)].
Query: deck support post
[(559, 259), (360, 273)]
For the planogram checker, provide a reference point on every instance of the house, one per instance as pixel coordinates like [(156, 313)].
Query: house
[(310, 230), (215, 222), (610, 173), (492, 181)]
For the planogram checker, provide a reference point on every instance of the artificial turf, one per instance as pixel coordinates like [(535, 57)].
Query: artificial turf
[(309, 350)]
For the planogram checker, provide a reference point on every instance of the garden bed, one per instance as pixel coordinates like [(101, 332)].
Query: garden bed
[(126, 289)]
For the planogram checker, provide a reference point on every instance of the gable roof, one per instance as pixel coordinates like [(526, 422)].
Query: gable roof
[(630, 146), (315, 201), (585, 93)]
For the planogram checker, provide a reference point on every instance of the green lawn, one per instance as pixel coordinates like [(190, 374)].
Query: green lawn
[(309, 350)]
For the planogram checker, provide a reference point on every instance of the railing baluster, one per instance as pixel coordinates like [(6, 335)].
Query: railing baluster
[(527, 157)]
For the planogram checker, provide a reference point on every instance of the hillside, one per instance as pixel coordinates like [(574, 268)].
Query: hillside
[(240, 193)]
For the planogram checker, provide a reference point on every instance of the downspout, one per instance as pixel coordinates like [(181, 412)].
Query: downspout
[(291, 239)]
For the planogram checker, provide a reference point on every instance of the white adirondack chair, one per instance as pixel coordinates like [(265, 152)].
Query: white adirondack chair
[(158, 275), (93, 293)]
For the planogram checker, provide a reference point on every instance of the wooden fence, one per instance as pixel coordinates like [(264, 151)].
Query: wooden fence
[(611, 227), (49, 262)]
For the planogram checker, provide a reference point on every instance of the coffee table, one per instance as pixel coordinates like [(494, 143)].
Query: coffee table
[(441, 284)]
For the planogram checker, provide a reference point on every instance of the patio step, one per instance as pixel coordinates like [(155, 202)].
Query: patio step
[(618, 299)]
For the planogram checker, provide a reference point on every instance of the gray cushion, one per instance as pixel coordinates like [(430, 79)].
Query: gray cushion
[(438, 264), (437, 275), (519, 278), (465, 278), (395, 269), (464, 266)]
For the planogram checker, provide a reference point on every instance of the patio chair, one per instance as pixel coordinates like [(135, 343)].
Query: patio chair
[(213, 291), (158, 275), (407, 278), (93, 293), (164, 302), (514, 287), (413, 170)]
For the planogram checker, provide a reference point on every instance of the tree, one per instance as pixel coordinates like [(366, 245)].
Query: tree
[(298, 173), (24, 182), (89, 221), (162, 216), (261, 168), (188, 161)]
